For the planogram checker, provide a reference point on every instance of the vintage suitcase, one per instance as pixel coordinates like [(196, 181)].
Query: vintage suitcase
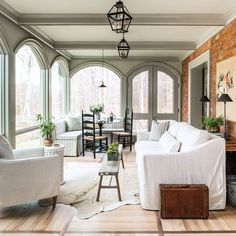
[(181, 201)]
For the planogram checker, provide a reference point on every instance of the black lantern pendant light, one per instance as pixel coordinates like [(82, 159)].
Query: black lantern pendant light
[(123, 48), (102, 85), (119, 17)]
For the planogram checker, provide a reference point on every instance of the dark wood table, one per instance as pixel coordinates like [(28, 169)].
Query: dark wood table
[(230, 147)]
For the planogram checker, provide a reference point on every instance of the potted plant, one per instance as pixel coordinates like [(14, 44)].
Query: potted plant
[(213, 124), (46, 127), (112, 152), (97, 109)]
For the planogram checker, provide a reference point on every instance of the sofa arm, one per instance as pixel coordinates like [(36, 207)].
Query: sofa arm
[(143, 136), (29, 179), (28, 152)]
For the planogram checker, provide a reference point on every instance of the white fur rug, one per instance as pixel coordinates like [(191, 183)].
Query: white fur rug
[(81, 185)]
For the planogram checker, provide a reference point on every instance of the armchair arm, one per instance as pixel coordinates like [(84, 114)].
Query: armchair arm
[(29, 179), (144, 135), (28, 152)]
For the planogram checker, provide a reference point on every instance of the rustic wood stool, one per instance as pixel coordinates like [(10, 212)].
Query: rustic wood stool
[(109, 168)]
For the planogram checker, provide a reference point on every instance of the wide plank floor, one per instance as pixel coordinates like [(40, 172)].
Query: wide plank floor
[(33, 220)]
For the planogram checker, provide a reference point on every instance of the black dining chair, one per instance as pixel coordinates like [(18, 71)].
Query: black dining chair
[(89, 135), (125, 137)]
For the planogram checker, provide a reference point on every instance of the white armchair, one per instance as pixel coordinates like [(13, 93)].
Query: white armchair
[(28, 177)]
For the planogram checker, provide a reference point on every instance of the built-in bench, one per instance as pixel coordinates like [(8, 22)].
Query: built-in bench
[(72, 140)]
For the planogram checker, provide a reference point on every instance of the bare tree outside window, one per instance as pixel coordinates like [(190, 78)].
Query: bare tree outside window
[(140, 93), (28, 99), (165, 93), (85, 90), (1, 83), (28, 96), (57, 91)]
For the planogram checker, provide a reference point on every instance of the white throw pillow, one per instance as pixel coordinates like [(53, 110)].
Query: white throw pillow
[(74, 123), (190, 137), (158, 129), (5, 149), (169, 142)]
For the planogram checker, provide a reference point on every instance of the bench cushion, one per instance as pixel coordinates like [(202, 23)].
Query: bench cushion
[(72, 135)]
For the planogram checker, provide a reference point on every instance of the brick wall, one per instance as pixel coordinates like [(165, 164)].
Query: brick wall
[(222, 46)]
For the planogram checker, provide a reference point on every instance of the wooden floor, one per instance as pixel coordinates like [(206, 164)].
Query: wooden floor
[(33, 220)]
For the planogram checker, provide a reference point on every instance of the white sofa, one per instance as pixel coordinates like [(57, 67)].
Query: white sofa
[(26, 175), (200, 160)]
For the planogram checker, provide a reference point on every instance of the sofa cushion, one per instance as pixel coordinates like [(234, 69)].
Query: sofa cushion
[(74, 123), (71, 135), (158, 129), (190, 137), (169, 142), (150, 147), (60, 127), (173, 128), (6, 151)]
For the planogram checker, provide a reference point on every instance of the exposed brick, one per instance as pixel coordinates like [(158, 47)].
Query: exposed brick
[(221, 46)]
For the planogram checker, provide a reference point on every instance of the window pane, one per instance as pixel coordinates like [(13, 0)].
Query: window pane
[(28, 99), (140, 125), (85, 90), (165, 93), (57, 91), (140, 93), (30, 139), (1, 91)]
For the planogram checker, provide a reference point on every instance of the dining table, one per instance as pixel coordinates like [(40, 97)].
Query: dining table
[(100, 123)]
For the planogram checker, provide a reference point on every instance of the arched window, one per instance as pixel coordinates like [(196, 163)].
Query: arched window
[(58, 91), (29, 96), (2, 75), (85, 90), (153, 94)]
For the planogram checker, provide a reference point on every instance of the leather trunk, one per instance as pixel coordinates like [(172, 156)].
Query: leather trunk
[(184, 201)]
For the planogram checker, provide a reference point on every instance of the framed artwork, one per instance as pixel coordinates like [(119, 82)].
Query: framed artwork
[(225, 79)]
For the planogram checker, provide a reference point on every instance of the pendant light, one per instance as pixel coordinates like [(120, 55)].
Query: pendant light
[(102, 85), (119, 17), (123, 48)]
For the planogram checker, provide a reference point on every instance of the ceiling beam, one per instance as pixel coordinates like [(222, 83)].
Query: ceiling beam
[(133, 45), (130, 58), (139, 19)]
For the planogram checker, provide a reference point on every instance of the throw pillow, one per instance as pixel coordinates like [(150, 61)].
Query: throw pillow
[(6, 151), (158, 129), (73, 123), (169, 142)]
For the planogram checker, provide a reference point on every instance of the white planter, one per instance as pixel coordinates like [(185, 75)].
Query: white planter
[(97, 117)]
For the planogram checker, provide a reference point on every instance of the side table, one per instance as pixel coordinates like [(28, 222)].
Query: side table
[(56, 150), (230, 147)]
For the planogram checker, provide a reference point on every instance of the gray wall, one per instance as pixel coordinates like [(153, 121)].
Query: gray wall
[(124, 66), (13, 35)]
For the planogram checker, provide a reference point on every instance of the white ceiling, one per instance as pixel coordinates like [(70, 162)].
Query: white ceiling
[(172, 22), (134, 6)]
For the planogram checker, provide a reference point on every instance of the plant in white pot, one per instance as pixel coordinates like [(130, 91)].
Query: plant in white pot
[(97, 109), (46, 127)]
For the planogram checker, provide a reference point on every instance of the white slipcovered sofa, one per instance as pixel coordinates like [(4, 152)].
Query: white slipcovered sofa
[(200, 160), (26, 175)]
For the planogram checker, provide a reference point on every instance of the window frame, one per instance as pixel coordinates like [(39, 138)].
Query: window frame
[(152, 69), (64, 71), (44, 97), (123, 89)]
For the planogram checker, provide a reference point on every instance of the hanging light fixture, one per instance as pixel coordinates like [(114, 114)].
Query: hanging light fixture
[(119, 17), (123, 48), (102, 85)]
